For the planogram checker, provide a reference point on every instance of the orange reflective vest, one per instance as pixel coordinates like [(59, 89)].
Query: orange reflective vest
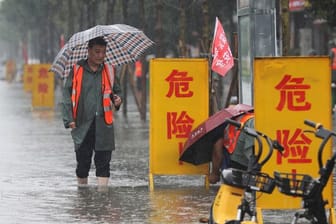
[(107, 85), (232, 133), (333, 63)]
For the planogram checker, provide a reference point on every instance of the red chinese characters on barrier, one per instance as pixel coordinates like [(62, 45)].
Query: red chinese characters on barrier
[(42, 85), (179, 124), (292, 97), (180, 148), (292, 94), (296, 145), (43, 73), (30, 72), (179, 84), (43, 88)]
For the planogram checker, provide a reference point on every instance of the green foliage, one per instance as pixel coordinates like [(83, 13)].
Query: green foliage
[(325, 9), (41, 22)]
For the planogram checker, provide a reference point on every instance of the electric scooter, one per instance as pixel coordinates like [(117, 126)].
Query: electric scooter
[(236, 196), (308, 188)]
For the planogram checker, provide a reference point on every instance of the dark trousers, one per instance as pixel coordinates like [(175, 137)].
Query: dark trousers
[(84, 157)]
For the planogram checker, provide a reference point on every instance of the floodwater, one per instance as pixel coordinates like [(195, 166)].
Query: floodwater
[(38, 184)]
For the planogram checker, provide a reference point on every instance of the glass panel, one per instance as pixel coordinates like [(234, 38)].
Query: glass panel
[(264, 36), (262, 4)]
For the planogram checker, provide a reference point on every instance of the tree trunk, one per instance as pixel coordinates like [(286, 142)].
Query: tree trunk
[(143, 103), (125, 79), (182, 25), (285, 26), (92, 7), (125, 11), (82, 10), (160, 49), (110, 11), (70, 23), (206, 28), (205, 49)]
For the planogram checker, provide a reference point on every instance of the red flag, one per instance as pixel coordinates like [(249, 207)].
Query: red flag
[(222, 57)]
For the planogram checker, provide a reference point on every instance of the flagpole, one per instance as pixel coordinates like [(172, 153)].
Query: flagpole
[(210, 60), (212, 91), (234, 78), (210, 83)]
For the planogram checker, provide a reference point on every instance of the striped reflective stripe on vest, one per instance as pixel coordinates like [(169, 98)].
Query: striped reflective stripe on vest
[(107, 94)]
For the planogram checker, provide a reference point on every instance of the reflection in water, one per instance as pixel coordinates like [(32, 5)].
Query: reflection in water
[(96, 206), (185, 205), (139, 205), (43, 114)]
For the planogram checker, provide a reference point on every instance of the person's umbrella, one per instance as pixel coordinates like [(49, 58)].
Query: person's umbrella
[(124, 45), (198, 147)]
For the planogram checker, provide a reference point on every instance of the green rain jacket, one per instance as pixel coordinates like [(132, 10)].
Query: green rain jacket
[(244, 147), (90, 108)]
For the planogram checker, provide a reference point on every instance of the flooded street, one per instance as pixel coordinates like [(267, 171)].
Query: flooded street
[(38, 184)]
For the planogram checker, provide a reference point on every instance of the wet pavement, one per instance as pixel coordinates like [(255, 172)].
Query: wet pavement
[(38, 184)]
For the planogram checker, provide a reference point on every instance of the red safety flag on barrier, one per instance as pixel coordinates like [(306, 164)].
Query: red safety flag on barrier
[(222, 57)]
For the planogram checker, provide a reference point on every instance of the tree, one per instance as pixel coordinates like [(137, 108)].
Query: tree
[(285, 26), (325, 9)]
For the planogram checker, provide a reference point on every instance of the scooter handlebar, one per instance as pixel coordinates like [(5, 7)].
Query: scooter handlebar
[(312, 124), (276, 145), (234, 123), (249, 131), (323, 134)]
